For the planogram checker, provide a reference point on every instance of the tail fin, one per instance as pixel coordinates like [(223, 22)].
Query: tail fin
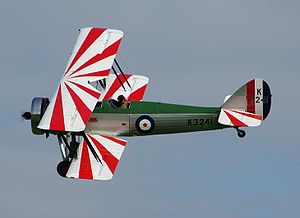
[(248, 106)]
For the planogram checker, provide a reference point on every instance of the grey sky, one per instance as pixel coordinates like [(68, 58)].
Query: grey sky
[(194, 52)]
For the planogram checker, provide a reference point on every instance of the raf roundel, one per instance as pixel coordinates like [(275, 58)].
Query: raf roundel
[(145, 124)]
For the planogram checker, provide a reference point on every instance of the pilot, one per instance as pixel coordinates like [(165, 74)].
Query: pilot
[(120, 103)]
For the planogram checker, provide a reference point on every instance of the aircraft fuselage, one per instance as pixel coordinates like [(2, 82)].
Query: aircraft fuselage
[(149, 118)]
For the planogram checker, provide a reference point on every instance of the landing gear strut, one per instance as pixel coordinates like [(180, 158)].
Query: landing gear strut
[(241, 133)]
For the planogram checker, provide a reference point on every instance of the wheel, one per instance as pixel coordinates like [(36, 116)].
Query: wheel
[(241, 133), (62, 168)]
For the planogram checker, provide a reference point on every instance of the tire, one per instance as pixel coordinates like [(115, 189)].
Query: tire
[(241, 133), (63, 167)]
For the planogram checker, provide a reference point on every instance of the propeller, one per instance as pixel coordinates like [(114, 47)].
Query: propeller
[(26, 116)]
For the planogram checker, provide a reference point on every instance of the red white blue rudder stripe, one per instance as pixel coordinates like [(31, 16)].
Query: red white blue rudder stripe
[(75, 99)]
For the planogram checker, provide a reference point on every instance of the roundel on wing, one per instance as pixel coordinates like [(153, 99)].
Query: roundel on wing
[(145, 124)]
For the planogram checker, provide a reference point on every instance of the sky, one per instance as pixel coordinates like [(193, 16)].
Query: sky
[(194, 52)]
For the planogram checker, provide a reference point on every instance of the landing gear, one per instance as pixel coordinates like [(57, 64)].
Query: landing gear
[(68, 146), (241, 133), (63, 167), (73, 147)]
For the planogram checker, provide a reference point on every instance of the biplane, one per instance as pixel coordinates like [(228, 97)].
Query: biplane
[(96, 103)]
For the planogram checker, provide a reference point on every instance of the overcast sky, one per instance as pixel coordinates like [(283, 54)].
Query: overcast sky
[(194, 52)]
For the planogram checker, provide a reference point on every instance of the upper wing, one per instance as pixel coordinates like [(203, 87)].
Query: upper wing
[(75, 99), (109, 149), (114, 87)]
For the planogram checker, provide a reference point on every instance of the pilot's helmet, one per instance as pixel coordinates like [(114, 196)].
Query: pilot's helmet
[(121, 98)]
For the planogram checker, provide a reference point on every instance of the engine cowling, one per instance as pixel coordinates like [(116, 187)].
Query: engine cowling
[(38, 108)]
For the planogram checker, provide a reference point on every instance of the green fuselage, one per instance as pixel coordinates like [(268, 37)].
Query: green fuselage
[(165, 119)]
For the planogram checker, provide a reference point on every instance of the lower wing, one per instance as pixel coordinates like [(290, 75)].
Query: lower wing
[(87, 165)]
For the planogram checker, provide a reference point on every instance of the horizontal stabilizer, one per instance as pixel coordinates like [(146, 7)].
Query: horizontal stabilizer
[(239, 118)]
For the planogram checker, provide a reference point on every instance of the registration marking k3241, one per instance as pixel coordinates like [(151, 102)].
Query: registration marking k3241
[(200, 122)]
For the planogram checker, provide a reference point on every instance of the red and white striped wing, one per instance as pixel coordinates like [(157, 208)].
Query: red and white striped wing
[(114, 88), (109, 149), (239, 118), (75, 99)]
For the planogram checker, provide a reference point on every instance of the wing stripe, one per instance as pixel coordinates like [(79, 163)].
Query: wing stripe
[(138, 94), (97, 74), (83, 110), (85, 170), (89, 40), (108, 158), (109, 51), (234, 120), (57, 119), (87, 90), (118, 141), (115, 86)]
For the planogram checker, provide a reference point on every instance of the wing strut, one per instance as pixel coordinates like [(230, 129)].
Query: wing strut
[(91, 148), (117, 75), (103, 83), (120, 69)]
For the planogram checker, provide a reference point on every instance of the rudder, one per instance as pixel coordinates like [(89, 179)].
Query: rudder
[(248, 106)]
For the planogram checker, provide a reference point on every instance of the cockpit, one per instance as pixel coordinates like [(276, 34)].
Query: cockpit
[(119, 103)]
